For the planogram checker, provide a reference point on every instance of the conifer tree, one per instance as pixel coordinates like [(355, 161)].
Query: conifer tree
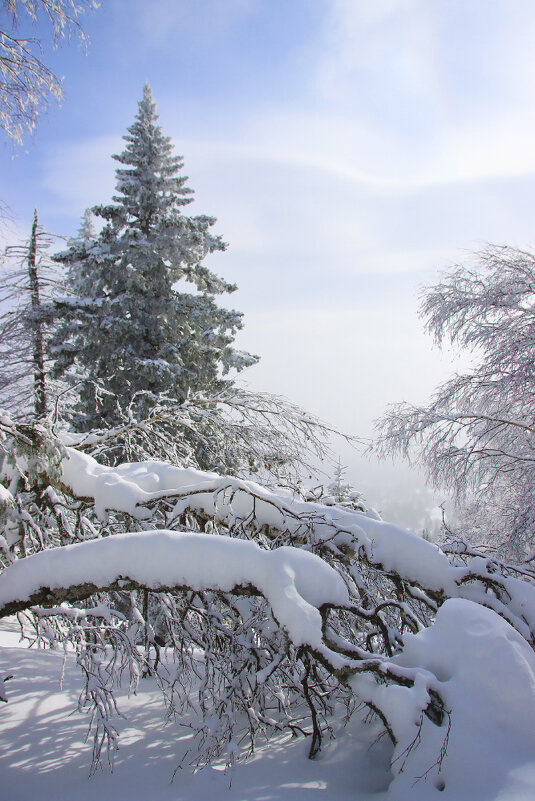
[(127, 334)]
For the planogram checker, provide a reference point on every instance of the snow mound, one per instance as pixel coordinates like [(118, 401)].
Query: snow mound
[(485, 672)]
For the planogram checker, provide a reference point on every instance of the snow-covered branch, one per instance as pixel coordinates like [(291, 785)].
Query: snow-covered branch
[(251, 594), (346, 536), (295, 583), (253, 432)]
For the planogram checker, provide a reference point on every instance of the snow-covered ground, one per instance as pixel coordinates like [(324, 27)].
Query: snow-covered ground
[(43, 754)]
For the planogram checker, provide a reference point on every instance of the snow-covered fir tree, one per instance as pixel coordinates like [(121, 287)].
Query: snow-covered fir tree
[(342, 492), (128, 336), (339, 493)]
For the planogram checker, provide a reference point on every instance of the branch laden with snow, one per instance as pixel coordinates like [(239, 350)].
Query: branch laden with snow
[(274, 608)]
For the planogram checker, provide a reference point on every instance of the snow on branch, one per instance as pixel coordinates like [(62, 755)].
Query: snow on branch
[(264, 612), (137, 488), (300, 588), (295, 583)]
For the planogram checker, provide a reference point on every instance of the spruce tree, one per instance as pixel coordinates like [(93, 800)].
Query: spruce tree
[(128, 335)]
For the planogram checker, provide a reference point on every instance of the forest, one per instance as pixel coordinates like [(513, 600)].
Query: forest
[(169, 536)]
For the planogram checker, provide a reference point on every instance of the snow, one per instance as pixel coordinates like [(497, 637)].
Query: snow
[(485, 670), (6, 497), (127, 487), (43, 754), (131, 486), (470, 657), (296, 583)]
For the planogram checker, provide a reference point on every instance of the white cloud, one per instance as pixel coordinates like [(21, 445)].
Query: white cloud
[(499, 148), (333, 175), (406, 137), (306, 217), (387, 46), (445, 91), (346, 364)]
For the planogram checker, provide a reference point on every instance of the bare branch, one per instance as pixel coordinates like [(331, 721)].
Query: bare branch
[(26, 84)]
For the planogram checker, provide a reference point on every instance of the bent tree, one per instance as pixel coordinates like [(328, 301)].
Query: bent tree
[(265, 611)]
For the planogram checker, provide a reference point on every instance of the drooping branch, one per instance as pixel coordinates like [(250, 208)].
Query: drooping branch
[(300, 587), (267, 637), (333, 532), (362, 548), (296, 583)]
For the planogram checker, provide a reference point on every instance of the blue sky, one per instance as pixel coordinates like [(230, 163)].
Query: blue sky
[(350, 150)]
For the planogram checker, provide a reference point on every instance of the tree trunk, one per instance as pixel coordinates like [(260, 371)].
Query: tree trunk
[(40, 405)]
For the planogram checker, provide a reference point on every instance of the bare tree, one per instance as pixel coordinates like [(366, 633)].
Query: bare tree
[(25, 320), (26, 84), (477, 435), (244, 433)]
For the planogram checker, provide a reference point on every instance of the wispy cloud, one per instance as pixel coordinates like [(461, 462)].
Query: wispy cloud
[(80, 174), (428, 93), (379, 54)]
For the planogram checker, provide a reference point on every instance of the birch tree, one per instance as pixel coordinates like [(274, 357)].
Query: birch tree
[(477, 436), (27, 85)]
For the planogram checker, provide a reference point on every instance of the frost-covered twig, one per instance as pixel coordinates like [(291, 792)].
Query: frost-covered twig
[(259, 612), (476, 434)]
